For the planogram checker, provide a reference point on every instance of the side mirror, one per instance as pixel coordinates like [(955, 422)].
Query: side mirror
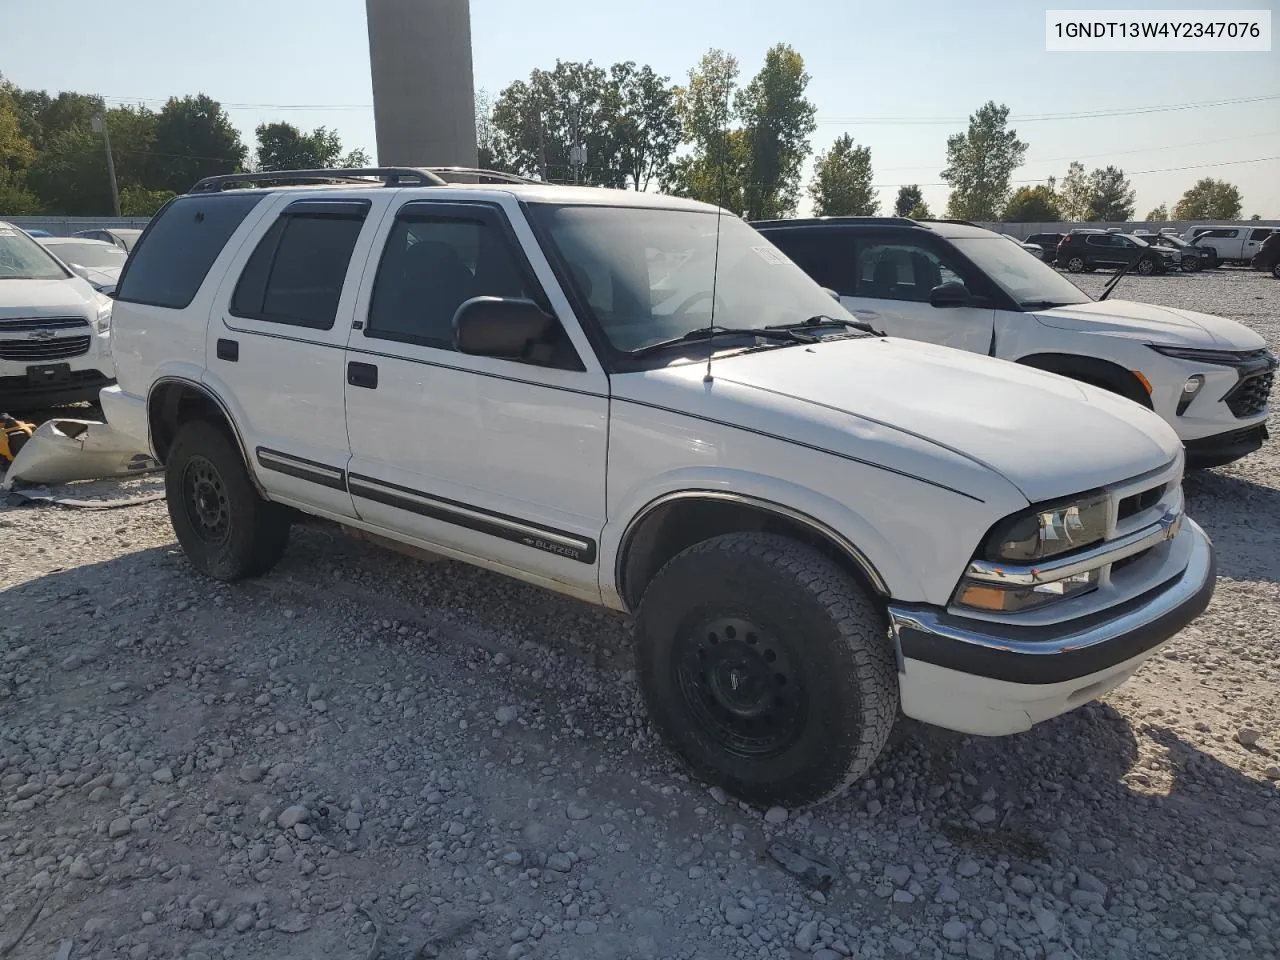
[(499, 327), (950, 294), (831, 293)]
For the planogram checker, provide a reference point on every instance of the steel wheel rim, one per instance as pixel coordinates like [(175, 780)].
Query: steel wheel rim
[(741, 686), (204, 498)]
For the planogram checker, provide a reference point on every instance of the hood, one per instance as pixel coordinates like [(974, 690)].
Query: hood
[(100, 276), (875, 398), (1149, 323), (47, 298)]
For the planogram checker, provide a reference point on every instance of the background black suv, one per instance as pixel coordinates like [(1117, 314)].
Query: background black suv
[(1048, 242), (1090, 249)]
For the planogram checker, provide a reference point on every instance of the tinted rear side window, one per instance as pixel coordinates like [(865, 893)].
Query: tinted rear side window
[(296, 272), (825, 255), (167, 269)]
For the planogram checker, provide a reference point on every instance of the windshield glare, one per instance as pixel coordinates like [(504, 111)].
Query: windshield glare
[(1026, 278), (88, 254), (647, 273), (21, 258)]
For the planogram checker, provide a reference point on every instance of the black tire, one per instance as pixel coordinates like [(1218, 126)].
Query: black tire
[(226, 529), (1275, 270), (1190, 265), (1146, 266), (1075, 264), (766, 668)]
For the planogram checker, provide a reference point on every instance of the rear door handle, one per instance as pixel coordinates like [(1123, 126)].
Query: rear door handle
[(362, 375)]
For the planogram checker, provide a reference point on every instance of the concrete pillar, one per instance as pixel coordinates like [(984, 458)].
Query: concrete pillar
[(423, 86)]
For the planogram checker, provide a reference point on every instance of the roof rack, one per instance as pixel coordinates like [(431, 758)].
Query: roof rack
[(894, 221), (963, 223), (390, 176)]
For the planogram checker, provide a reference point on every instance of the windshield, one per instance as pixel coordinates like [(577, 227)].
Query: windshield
[(21, 258), (1026, 278), (647, 274), (89, 254)]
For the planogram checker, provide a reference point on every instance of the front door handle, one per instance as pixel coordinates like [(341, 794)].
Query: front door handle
[(362, 375)]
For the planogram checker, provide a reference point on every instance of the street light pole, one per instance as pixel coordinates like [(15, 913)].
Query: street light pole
[(100, 126)]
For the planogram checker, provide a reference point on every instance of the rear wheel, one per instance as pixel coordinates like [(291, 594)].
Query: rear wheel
[(766, 668), (225, 528), (1075, 264)]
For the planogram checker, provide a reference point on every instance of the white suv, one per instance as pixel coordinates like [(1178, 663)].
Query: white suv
[(956, 284), (814, 526), (55, 329)]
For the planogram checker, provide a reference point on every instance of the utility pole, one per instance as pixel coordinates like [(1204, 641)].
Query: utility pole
[(577, 152), (100, 126)]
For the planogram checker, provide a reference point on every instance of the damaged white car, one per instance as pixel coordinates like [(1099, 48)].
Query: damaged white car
[(636, 400)]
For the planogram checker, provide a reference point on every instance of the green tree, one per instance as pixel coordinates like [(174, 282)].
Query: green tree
[(1158, 213), (980, 164), (778, 121), (541, 120), (841, 184), (1209, 199), (715, 169), (1073, 195), (645, 122), (133, 141), (194, 138), (920, 211), (487, 155), (282, 146), (140, 202), (16, 156), (1038, 204), (908, 199), (1255, 216), (1110, 196), (69, 174)]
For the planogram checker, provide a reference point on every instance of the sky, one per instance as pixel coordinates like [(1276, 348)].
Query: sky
[(899, 76)]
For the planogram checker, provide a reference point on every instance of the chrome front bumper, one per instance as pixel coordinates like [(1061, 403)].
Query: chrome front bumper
[(1060, 652)]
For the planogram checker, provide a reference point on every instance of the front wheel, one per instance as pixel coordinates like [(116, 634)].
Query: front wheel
[(225, 528), (1190, 266), (766, 668), (1146, 266)]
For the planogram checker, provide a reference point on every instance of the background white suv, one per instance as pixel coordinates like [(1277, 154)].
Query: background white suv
[(54, 329), (962, 286), (813, 533)]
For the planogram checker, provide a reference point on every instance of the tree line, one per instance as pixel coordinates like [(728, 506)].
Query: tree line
[(713, 137), (53, 160)]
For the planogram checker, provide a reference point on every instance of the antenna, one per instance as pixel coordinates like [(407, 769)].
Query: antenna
[(715, 263)]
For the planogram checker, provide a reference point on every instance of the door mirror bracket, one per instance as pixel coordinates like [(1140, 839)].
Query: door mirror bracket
[(951, 294)]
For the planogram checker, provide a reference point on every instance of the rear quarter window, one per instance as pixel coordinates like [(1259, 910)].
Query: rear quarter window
[(169, 264)]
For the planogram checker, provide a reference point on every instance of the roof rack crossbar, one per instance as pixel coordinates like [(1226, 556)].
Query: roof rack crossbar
[(481, 173), (391, 176)]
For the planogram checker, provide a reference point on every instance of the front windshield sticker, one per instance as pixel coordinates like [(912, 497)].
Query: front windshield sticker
[(770, 255)]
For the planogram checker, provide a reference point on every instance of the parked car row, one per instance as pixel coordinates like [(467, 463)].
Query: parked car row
[(1199, 248)]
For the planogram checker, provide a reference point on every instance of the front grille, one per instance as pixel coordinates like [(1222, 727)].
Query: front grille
[(1135, 503), (39, 351), (42, 323), (1250, 395)]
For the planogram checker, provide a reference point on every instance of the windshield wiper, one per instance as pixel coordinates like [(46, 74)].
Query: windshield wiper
[(821, 320), (1042, 304), (708, 333), (1111, 284)]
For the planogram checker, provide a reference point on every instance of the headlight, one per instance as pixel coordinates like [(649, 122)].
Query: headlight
[(1228, 357), (1047, 531), (103, 323)]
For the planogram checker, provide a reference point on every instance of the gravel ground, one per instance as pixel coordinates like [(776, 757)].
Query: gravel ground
[(364, 756)]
